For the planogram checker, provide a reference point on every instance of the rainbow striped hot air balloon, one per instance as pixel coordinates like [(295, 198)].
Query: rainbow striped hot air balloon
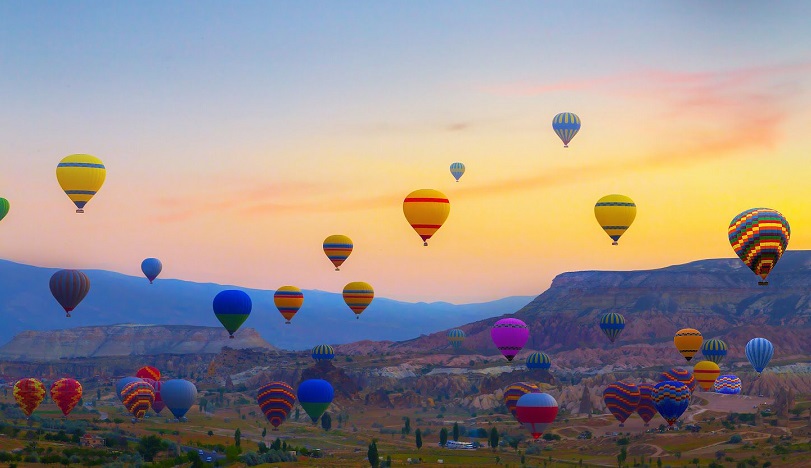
[(509, 335), (759, 236), (714, 350), (66, 393), (566, 125), (80, 176), (323, 352), (615, 214), (516, 391), (536, 411), (69, 288), (358, 295), (621, 398), (680, 375), (337, 247), (688, 342), (646, 408), (706, 372), (728, 385), (276, 399), (538, 361), (232, 308), (612, 325), (671, 399), (457, 169), (29, 393), (288, 299), (138, 398), (456, 337), (759, 352), (426, 210)]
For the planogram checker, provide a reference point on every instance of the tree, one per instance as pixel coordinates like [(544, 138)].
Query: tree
[(371, 454), (494, 438), (149, 446), (237, 437), (264, 432), (407, 427), (443, 437), (98, 394), (418, 436), (210, 433), (659, 462), (326, 421), (622, 457), (456, 431), (296, 414), (203, 404)]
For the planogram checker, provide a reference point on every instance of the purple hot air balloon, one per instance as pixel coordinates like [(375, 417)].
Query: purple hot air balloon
[(509, 335)]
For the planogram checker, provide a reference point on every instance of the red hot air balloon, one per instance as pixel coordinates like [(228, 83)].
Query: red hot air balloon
[(66, 393), (516, 391), (69, 287), (148, 372), (536, 411), (29, 393), (137, 398), (509, 335)]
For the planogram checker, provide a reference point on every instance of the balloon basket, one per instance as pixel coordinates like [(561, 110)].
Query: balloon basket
[(337, 269), (231, 337), (67, 314), (615, 243), (425, 244), (762, 283), (357, 317), (80, 210), (565, 146), (287, 322)]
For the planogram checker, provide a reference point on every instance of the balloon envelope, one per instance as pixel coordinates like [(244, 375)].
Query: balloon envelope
[(457, 169), (759, 351), (315, 396), (288, 300), (151, 267), (358, 295), (179, 395), (69, 288), (516, 391), (705, 373), (759, 236), (509, 335), (123, 382), (426, 210), (714, 350), (66, 393), (276, 399), (646, 409), (456, 337), (538, 361), (621, 399), (157, 405), (4, 207), (536, 411), (323, 352), (680, 375), (728, 385), (566, 125), (688, 342), (612, 325), (615, 213), (232, 307), (337, 248), (671, 399), (137, 398), (148, 372), (29, 393), (80, 176)]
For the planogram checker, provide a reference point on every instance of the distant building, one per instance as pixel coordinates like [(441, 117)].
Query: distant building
[(452, 444), (91, 440)]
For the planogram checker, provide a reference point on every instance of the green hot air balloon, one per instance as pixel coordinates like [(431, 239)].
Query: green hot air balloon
[(315, 396), (4, 206), (232, 308)]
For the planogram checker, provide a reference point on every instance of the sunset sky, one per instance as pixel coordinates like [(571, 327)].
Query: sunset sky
[(238, 135)]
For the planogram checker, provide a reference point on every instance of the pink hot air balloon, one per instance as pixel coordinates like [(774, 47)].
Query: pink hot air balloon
[(158, 405), (509, 335), (536, 411)]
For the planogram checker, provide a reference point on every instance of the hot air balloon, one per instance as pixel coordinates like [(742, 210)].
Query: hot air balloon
[(538, 361), (315, 396), (337, 247), (232, 307), (566, 125), (621, 398), (509, 335), (152, 268), (516, 391), (426, 210), (158, 405), (759, 351), (688, 342), (646, 408), (705, 373), (29, 393), (66, 393), (759, 236), (123, 382), (612, 325), (456, 337), (615, 213), (148, 372), (536, 411), (714, 350), (4, 207), (680, 375), (80, 176), (457, 169), (69, 287), (728, 385), (138, 398), (288, 300), (671, 399), (179, 395), (276, 399), (323, 352), (358, 295)]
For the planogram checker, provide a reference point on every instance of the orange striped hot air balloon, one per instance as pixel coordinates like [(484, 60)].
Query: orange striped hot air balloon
[(688, 342), (706, 372), (29, 393), (288, 299), (66, 393), (426, 210), (358, 295)]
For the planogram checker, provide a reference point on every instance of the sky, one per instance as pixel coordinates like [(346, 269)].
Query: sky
[(238, 135)]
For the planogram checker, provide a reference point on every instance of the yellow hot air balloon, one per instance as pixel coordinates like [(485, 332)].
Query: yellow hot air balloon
[(705, 373), (688, 342), (288, 299), (80, 176), (426, 210), (615, 213), (358, 295), (337, 247)]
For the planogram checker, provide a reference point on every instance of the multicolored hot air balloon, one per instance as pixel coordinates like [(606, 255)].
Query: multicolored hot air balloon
[(536, 411), (456, 337), (232, 307), (612, 325), (688, 342), (759, 236), (315, 396), (123, 382), (457, 169), (714, 350), (728, 385), (158, 405), (148, 372), (759, 351), (69, 287), (566, 125), (680, 375), (276, 399), (538, 361), (80, 176), (671, 399), (151, 267), (646, 408), (621, 398), (426, 210), (516, 391), (179, 395), (337, 247), (705, 373), (509, 335), (615, 213), (138, 398), (29, 393), (4, 207), (323, 352), (358, 295), (288, 299), (66, 393)]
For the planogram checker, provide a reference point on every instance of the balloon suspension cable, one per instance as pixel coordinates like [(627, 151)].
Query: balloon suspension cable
[(80, 210), (615, 243), (763, 283)]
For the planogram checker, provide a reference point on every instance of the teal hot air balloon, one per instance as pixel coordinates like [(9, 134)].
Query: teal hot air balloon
[(315, 396), (621, 398), (323, 352), (179, 396), (232, 307), (152, 268), (566, 125), (714, 350), (69, 288), (456, 337), (538, 361), (759, 351), (671, 399), (612, 325), (457, 169)]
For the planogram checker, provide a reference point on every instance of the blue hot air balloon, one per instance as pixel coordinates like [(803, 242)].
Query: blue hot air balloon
[(759, 351), (671, 399), (121, 383), (566, 125), (457, 169), (727, 384), (538, 361), (232, 308), (69, 287), (315, 396), (178, 395), (612, 325), (152, 268), (323, 352)]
